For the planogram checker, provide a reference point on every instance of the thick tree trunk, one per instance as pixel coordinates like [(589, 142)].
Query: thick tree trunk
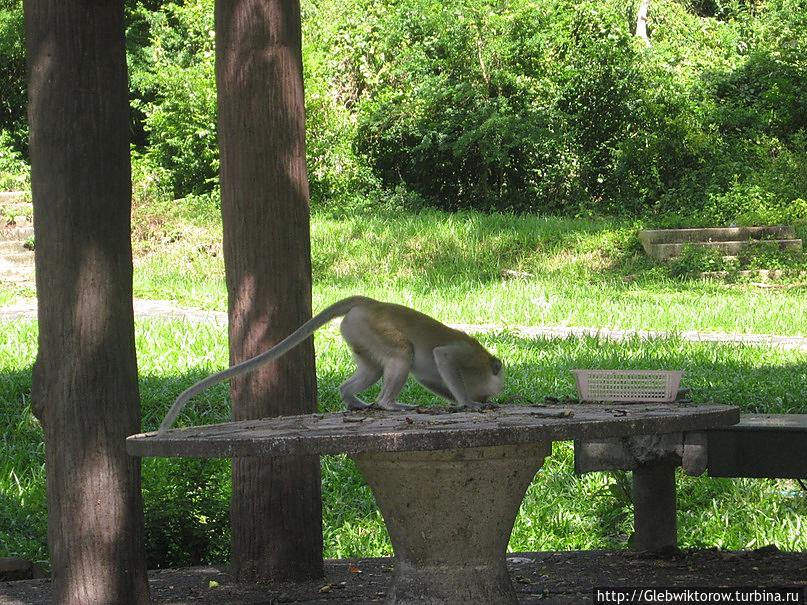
[(85, 377), (276, 510)]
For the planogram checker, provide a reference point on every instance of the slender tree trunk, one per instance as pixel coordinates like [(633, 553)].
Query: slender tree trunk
[(641, 21), (276, 509), (85, 377)]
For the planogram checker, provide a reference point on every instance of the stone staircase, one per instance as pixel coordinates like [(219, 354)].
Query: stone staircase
[(16, 227), (664, 244)]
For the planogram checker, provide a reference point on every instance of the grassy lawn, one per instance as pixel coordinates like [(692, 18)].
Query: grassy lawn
[(186, 500), (464, 268), (474, 268), (12, 293), (470, 268)]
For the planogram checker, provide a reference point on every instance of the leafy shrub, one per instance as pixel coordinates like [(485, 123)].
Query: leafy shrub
[(14, 172), (557, 108), (338, 177), (695, 260), (186, 508), (461, 117), (750, 204), (759, 255), (699, 259), (12, 83), (529, 105), (741, 112), (174, 81)]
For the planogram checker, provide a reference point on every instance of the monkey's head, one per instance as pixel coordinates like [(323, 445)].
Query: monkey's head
[(496, 381)]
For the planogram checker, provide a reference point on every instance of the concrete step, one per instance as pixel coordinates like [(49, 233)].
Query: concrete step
[(17, 277), (16, 234), (20, 259), (731, 248), (15, 274), (715, 234), (11, 247), (13, 197)]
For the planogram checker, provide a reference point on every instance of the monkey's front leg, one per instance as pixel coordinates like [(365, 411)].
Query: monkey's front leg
[(396, 371), (447, 359)]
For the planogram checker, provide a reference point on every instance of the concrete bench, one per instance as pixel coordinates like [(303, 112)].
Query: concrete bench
[(760, 445), (449, 485)]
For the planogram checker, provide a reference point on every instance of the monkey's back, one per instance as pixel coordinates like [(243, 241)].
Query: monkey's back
[(399, 326)]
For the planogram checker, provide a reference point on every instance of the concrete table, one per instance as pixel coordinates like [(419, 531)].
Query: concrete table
[(448, 485)]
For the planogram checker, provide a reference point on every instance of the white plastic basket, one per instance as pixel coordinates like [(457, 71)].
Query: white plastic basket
[(628, 385)]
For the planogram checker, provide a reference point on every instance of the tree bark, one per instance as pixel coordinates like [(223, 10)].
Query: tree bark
[(85, 390), (276, 509)]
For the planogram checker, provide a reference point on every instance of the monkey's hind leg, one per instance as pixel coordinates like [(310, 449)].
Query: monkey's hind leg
[(366, 375)]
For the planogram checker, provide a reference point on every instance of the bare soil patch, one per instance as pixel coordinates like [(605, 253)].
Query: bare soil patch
[(545, 578)]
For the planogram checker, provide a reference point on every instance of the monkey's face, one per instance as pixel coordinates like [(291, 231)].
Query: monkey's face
[(496, 382), (493, 384)]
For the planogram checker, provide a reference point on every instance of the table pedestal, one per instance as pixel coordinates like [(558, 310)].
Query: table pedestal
[(449, 514)]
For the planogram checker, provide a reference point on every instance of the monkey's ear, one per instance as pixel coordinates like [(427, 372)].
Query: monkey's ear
[(495, 365)]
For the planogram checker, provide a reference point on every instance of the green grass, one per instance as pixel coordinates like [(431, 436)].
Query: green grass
[(11, 293), (475, 268), (471, 268), (186, 500), (468, 268)]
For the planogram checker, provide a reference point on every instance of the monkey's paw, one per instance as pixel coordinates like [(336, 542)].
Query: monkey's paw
[(471, 406)]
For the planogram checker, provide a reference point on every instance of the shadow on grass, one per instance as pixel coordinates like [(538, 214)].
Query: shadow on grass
[(186, 501)]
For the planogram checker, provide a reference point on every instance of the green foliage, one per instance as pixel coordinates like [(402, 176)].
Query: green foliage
[(449, 116), (525, 105), (186, 501), (731, 117), (12, 81), (760, 255), (695, 260), (174, 85), (172, 60), (338, 177), (186, 504), (15, 174), (461, 107), (699, 259), (553, 106)]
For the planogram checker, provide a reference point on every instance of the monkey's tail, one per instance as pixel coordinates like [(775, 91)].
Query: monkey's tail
[(338, 309)]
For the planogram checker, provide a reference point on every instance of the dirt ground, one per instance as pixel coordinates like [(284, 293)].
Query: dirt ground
[(546, 578)]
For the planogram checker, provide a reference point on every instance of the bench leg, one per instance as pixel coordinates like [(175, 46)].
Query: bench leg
[(449, 514), (654, 522)]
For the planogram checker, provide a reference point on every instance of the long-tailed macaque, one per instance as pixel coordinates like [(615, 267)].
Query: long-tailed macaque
[(388, 341)]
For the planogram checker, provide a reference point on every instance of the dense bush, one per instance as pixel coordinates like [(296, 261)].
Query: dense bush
[(173, 85), (186, 511), (12, 75), (741, 127), (337, 176), (555, 106), (14, 171), (529, 105), (454, 116)]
